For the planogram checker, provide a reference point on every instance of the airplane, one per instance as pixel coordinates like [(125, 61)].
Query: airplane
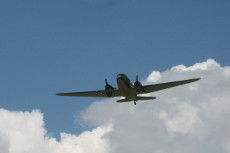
[(128, 90)]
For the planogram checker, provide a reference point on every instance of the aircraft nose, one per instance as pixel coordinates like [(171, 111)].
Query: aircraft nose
[(119, 76)]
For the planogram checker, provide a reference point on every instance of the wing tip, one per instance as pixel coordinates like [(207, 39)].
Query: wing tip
[(196, 79), (60, 94)]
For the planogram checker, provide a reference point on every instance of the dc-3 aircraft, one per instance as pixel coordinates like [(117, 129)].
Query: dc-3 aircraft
[(128, 90)]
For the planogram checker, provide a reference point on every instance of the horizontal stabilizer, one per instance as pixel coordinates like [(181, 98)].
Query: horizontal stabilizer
[(138, 98), (145, 98), (124, 100)]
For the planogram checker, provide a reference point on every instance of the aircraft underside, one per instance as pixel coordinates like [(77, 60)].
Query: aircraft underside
[(128, 90)]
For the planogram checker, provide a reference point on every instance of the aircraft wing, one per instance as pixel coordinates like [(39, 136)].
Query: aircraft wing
[(98, 93), (162, 86)]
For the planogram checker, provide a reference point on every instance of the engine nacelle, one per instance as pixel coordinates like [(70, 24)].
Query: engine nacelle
[(137, 84), (108, 89), (139, 87)]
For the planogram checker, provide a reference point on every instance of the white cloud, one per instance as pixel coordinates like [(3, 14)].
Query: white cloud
[(190, 118), (154, 76), (24, 132), (209, 64), (183, 121)]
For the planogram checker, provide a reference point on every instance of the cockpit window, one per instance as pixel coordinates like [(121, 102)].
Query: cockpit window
[(126, 79)]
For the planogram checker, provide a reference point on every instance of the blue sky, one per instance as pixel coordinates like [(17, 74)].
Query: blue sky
[(60, 46)]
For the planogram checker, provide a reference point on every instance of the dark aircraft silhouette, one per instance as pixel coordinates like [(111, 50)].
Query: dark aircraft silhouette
[(128, 90)]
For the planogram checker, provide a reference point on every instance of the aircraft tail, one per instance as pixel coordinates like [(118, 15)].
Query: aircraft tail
[(138, 98)]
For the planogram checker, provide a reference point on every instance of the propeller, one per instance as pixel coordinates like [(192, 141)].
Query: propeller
[(106, 82), (108, 88), (107, 85), (138, 84)]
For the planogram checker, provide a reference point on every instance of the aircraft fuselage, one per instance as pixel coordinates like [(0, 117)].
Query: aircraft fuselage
[(126, 87)]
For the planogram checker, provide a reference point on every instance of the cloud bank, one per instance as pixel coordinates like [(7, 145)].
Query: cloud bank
[(24, 132), (190, 118)]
